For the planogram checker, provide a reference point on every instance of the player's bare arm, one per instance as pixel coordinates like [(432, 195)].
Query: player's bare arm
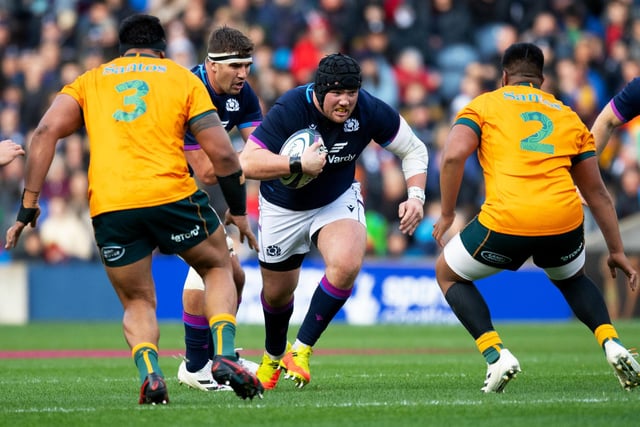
[(201, 164), (587, 177), (215, 142), (415, 161), (461, 142), (61, 119), (604, 126), (260, 163)]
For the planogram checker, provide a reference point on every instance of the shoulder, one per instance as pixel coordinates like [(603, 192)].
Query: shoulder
[(199, 71), (301, 94), (293, 101), (370, 105)]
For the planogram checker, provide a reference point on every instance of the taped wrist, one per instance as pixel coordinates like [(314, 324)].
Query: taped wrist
[(416, 193), (295, 164), (29, 209), (234, 191)]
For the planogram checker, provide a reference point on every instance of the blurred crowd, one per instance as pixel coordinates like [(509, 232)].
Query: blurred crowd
[(427, 58)]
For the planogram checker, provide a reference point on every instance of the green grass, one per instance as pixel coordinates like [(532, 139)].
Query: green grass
[(393, 376)]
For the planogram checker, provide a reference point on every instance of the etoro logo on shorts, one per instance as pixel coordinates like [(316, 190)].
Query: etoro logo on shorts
[(184, 236), (112, 253)]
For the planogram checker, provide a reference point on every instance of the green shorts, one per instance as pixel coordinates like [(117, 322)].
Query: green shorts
[(509, 252), (127, 236)]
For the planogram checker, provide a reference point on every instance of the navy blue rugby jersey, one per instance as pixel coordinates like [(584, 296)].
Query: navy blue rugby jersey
[(626, 103), (372, 120), (241, 110)]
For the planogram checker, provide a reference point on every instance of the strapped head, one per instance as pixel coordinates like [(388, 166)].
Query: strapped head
[(336, 72)]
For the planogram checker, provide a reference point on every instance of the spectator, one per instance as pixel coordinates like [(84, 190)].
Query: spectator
[(97, 28), (57, 180), (10, 124), (379, 79), (601, 38), (627, 200), (409, 23), (64, 235), (410, 68), (311, 47)]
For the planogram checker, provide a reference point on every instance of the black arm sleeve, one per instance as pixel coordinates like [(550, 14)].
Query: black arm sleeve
[(234, 190)]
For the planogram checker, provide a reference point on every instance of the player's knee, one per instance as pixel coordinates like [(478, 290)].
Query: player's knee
[(444, 275)]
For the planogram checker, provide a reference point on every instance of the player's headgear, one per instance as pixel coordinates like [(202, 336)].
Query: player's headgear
[(140, 31), (336, 71)]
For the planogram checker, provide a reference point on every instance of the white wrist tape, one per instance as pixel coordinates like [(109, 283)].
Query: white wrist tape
[(416, 193)]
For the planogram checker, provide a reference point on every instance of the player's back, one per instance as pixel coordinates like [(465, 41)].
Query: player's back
[(528, 140), (136, 110)]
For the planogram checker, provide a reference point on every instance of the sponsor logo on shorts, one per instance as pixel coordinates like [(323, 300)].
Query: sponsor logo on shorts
[(186, 236), (273, 250), (573, 254), (112, 253), (495, 258)]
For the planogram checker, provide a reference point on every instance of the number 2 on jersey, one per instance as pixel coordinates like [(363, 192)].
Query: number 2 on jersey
[(534, 142)]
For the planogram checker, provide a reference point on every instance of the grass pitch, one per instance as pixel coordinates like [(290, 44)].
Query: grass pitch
[(391, 375)]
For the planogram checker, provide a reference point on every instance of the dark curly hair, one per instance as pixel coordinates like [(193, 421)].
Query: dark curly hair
[(141, 31), (524, 59)]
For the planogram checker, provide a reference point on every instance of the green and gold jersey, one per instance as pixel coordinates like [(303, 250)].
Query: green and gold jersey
[(136, 110), (528, 142)]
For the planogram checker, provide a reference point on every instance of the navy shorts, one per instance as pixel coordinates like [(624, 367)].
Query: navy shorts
[(509, 252), (126, 236)]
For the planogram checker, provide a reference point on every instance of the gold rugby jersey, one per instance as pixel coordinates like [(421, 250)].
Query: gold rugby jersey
[(528, 141), (136, 110)]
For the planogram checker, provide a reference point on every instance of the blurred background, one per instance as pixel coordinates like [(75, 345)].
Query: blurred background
[(427, 58)]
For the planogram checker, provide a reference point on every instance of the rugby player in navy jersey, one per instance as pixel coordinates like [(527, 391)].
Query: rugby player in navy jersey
[(329, 211), (623, 107), (224, 73)]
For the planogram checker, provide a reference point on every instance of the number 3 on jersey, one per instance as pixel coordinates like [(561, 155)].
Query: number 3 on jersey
[(140, 89), (534, 142)]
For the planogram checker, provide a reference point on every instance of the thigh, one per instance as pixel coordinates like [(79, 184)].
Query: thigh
[(184, 224), (349, 206), (133, 281), (282, 233), (122, 238), (498, 250), (462, 263), (209, 253), (341, 236)]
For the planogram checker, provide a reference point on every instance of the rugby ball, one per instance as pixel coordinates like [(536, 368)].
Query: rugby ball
[(294, 146)]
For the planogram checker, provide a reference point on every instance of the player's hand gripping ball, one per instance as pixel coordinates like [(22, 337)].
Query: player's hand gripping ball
[(294, 146)]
